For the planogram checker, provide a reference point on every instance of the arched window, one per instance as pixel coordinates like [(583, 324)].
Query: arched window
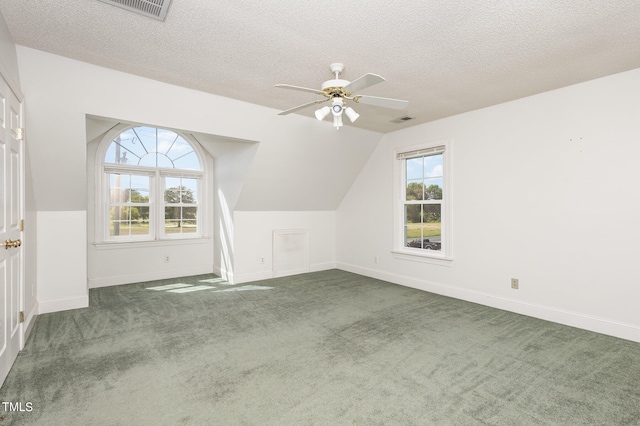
[(152, 186)]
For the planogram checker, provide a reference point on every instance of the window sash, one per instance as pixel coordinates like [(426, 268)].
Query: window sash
[(180, 232), (156, 205)]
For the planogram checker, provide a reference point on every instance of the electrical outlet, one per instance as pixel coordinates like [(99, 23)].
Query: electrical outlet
[(167, 259), (375, 259), (515, 284), (262, 260)]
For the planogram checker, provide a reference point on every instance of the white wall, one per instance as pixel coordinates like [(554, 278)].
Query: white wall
[(545, 189), (254, 254), (62, 242), (300, 164), (8, 57)]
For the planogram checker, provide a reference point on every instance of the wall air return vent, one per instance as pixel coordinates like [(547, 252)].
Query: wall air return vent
[(156, 9)]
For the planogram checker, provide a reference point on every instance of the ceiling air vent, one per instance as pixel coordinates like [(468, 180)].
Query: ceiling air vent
[(402, 119), (156, 9)]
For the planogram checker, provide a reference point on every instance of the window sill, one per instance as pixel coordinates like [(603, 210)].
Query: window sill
[(422, 257), (111, 245)]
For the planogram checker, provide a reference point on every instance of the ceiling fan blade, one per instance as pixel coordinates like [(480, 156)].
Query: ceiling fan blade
[(294, 109), (363, 82), (303, 89), (382, 102)]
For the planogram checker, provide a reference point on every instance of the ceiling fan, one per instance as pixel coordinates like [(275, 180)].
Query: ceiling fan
[(338, 91)]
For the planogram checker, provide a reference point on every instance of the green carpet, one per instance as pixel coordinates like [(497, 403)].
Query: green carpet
[(325, 348)]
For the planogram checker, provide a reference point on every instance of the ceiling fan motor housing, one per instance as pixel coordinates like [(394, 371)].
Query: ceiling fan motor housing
[(334, 83)]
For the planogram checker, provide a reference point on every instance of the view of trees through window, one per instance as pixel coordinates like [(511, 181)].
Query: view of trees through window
[(129, 211), (181, 206), (423, 202), (145, 168)]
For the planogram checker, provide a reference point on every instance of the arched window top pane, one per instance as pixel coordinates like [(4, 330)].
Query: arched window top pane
[(152, 147)]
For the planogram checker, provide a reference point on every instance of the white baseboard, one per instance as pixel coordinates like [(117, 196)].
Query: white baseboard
[(560, 316), (265, 275), (29, 321), (149, 276), (224, 274), (254, 276), (49, 306), (322, 266)]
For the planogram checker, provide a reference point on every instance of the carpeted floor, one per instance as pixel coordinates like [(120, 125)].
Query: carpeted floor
[(325, 348)]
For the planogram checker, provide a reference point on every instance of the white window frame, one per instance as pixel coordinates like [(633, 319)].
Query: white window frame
[(400, 251), (199, 218), (156, 235)]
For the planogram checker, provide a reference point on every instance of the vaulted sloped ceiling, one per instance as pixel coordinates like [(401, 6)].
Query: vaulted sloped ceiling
[(443, 57)]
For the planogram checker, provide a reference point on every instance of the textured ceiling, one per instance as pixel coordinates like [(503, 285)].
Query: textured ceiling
[(444, 57)]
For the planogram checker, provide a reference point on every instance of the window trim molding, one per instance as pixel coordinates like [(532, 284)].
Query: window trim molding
[(399, 250), (110, 245), (157, 174)]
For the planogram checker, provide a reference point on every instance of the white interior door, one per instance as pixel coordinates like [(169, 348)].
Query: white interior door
[(11, 210)]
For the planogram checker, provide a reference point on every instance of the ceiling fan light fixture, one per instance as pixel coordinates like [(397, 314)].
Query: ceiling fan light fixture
[(337, 121), (322, 112), (337, 106), (353, 116)]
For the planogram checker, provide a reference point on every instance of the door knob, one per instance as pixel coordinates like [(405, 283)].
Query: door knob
[(12, 243)]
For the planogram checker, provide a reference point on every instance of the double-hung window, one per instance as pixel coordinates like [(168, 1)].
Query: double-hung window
[(422, 225), (153, 186)]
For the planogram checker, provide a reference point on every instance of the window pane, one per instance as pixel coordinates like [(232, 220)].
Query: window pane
[(431, 213), (148, 160), (423, 226), (189, 213), (433, 166), (120, 228), (147, 137), (412, 214), (181, 190), (127, 221), (117, 214), (116, 193), (189, 191), (173, 220), (173, 194), (432, 226), (125, 188), (125, 149), (415, 168), (415, 190), (172, 227), (171, 182), (433, 189), (140, 219), (139, 191), (187, 161), (180, 220), (173, 213), (181, 153), (189, 226), (152, 147)]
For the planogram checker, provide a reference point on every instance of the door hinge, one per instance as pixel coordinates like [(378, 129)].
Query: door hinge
[(20, 133), (21, 226), (21, 316)]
